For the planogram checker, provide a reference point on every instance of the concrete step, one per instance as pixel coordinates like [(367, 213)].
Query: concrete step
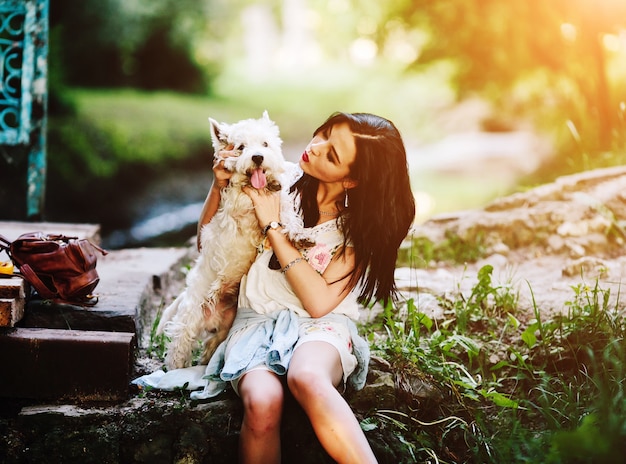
[(66, 364), (132, 281), (13, 229), (13, 287), (11, 312), (133, 285), (13, 292)]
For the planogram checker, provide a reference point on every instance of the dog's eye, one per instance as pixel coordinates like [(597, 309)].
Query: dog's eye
[(265, 144), (241, 147)]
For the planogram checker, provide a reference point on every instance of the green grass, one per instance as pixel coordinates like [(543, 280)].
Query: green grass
[(550, 390), (421, 252)]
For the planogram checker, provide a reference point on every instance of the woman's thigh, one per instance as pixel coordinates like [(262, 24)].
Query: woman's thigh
[(325, 345), (315, 361)]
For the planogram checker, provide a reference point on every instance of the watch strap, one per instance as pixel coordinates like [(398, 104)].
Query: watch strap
[(271, 225)]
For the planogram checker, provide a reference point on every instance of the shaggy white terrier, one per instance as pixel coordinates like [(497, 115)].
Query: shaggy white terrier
[(205, 310)]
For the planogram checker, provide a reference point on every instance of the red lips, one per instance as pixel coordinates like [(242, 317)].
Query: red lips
[(305, 157)]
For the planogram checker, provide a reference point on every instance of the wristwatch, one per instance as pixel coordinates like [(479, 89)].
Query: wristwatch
[(271, 225)]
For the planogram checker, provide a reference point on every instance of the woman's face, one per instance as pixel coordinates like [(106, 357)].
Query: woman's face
[(329, 154)]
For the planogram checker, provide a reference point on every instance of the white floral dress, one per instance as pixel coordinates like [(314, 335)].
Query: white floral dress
[(265, 290)]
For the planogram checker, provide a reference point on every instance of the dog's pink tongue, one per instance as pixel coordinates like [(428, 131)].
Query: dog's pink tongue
[(258, 179)]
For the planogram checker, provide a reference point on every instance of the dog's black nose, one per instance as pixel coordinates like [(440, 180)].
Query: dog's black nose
[(257, 159)]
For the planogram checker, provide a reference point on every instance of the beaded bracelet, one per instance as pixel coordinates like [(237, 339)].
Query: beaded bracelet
[(292, 263)]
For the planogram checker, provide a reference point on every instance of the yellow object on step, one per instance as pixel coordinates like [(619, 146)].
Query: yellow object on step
[(6, 268)]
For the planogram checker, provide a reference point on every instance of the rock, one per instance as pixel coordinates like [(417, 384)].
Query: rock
[(547, 239)]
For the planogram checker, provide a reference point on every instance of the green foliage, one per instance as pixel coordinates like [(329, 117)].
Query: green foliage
[(114, 131), (158, 342), (146, 44), (550, 61), (422, 251), (550, 390)]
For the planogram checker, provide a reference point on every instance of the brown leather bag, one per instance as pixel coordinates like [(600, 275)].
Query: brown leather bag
[(58, 267)]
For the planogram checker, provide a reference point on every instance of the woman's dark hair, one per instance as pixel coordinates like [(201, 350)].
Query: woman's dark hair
[(381, 206)]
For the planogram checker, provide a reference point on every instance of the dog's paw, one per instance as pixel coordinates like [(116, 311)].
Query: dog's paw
[(274, 186)]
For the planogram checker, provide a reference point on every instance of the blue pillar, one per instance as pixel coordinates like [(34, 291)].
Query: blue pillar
[(23, 99)]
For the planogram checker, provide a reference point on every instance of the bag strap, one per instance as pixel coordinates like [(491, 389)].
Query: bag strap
[(5, 244), (36, 282)]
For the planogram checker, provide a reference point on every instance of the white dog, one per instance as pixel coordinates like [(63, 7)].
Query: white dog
[(205, 310)]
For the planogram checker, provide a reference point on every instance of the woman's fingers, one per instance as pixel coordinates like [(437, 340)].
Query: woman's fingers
[(266, 204)]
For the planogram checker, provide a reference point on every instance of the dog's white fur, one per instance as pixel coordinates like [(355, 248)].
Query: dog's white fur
[(204, 311)]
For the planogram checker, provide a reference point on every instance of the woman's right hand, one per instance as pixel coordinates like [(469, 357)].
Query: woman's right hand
[(220, 174)]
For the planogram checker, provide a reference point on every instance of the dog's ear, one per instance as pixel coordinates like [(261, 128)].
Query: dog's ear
[(219, 134)]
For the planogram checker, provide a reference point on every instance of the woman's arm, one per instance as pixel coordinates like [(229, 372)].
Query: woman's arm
[(319, 294), (209, 208), (212, 202)]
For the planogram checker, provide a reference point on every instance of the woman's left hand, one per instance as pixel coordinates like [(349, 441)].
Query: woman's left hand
[(266, 205)]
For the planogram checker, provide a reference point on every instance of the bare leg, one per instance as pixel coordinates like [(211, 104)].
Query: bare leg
[(314, 371), (262, 395)]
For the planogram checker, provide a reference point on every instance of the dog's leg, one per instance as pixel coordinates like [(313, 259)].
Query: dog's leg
[(180, 350), (184, 331), (169, 313), (227, 310)]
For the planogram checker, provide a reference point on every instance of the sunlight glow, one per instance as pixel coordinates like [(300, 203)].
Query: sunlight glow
[(338, 6), (612, 42), (569, 32), (363, 51), (404, 46), (366, 25), (425, 205)]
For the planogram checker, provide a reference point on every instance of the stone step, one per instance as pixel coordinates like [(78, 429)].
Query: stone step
[(13, 287), (66, 364), (134, 284), (13, 229), (13, 292), (11, 312)]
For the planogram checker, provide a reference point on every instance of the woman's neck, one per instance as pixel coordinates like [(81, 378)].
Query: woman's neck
[(328, 196)]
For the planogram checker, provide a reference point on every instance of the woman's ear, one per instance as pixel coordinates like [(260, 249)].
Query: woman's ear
[(349, 183)]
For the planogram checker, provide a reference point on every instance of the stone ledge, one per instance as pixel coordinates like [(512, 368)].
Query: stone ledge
[(11, 312), (13, 292), (13, 229), (66, 364), (13, 287)]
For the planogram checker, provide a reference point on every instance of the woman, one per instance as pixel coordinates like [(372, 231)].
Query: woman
[(296, 306)]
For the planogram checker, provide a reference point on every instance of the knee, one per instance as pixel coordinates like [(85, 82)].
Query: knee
[(304, 382), (263, 409)]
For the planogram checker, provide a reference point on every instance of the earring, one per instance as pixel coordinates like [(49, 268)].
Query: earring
[(345, 200)]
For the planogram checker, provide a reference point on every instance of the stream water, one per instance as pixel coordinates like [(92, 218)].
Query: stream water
[(163, 213)]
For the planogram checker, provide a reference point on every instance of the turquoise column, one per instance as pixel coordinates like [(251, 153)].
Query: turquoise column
[(23, 91)]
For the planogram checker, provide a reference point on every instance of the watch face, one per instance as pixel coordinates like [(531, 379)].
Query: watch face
[(274, 224)]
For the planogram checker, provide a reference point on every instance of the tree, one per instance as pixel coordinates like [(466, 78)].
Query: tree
[(497, 45), (133, 43)]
